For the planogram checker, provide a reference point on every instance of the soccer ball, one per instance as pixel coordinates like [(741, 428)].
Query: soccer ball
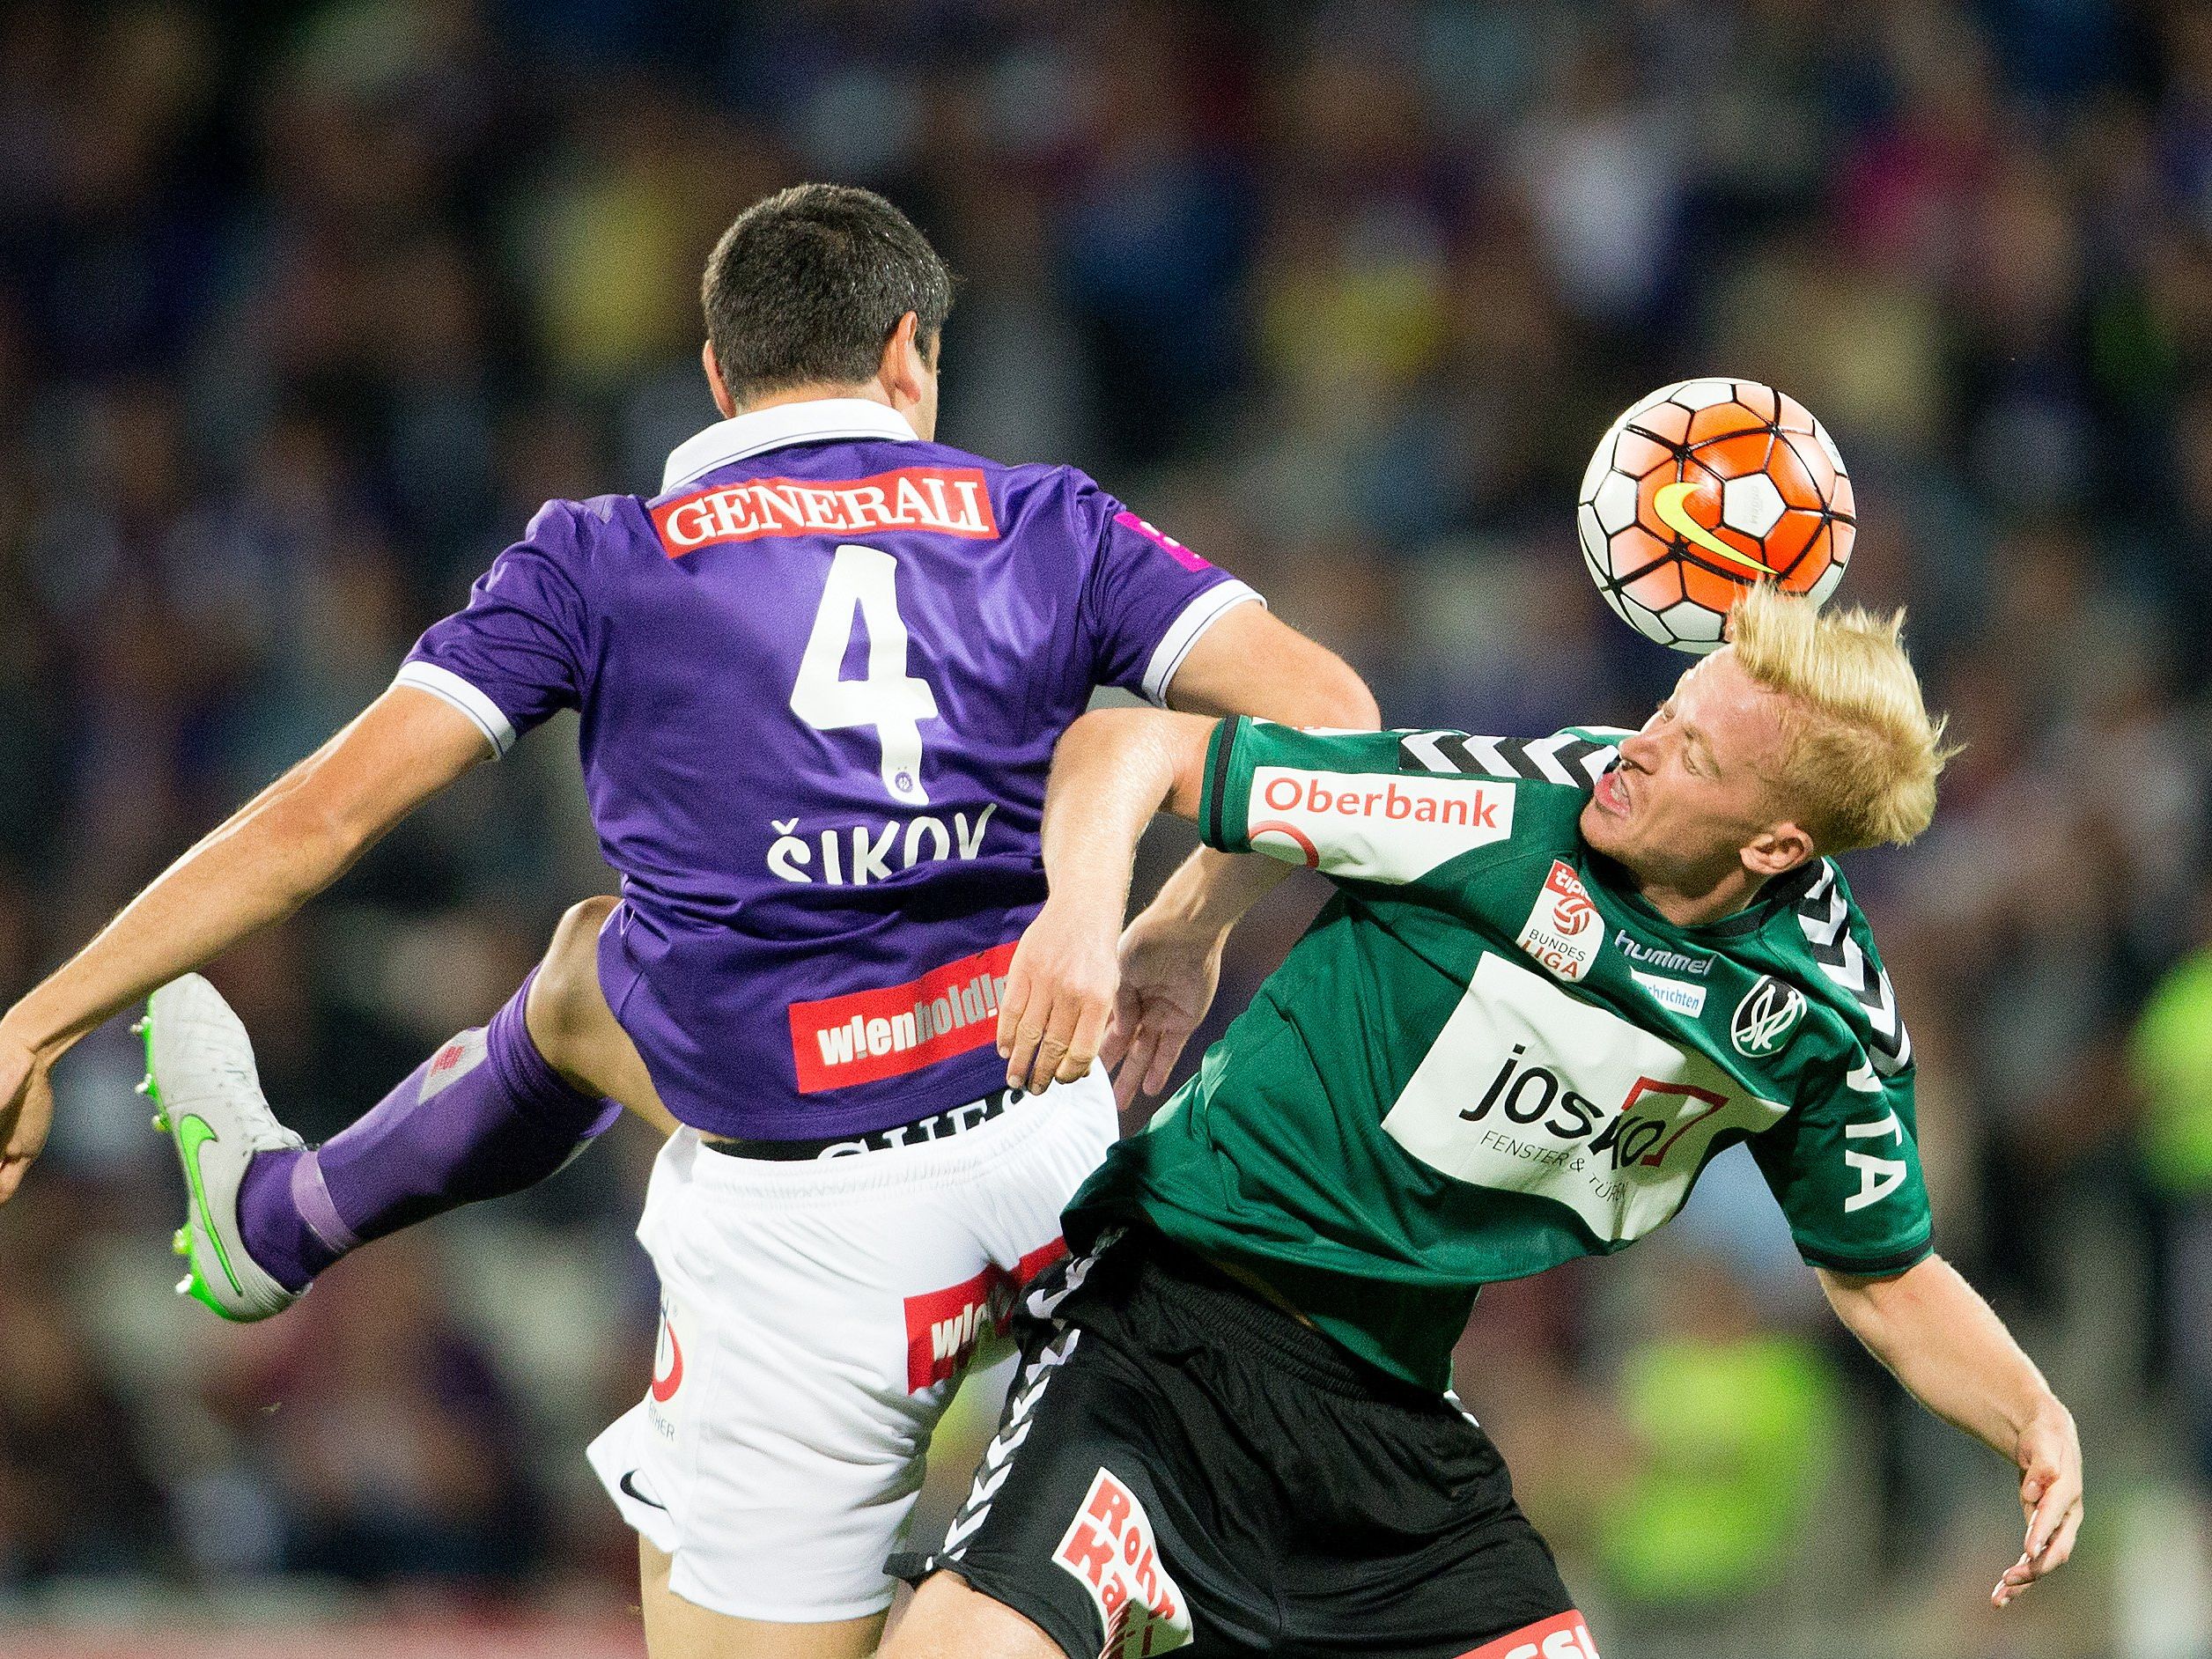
[(1703, 488)]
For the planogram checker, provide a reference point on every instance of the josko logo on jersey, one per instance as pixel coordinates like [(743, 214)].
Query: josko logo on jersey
[(947, 500), (1530, 1089), (1377, 828), (1765, 1017), (1563, 931), (1111, 1549)]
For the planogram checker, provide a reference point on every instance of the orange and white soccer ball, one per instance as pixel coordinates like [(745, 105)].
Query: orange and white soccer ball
[(1702, 490)]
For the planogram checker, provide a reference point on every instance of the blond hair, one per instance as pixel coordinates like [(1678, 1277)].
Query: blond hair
[(1861, 754)]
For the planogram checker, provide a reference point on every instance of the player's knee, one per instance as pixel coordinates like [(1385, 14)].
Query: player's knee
[(581, 922)]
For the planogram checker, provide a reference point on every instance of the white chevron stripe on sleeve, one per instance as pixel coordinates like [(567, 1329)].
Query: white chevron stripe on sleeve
[(1491, 758), (1425, 748), (1543, 754)]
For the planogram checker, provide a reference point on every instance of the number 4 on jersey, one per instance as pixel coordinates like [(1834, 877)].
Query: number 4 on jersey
[(863, 591)]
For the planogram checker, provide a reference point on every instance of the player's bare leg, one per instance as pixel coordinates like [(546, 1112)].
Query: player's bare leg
[(948, 1620), (678, 1629), (577, 1031)]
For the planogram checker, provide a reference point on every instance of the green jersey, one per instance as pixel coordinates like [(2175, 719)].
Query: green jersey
[(1488, 1055)]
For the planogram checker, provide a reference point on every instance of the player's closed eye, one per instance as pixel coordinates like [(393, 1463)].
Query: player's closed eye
[(1664, 716)]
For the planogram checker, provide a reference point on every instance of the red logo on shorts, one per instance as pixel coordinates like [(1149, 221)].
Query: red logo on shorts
[(943, 1326), (1111, 1549), (1562, 1636), (668, 1363)]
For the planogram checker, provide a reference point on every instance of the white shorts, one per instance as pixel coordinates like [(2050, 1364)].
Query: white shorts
[(815, 1319)]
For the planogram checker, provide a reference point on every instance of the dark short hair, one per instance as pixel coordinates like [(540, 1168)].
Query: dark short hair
[(809, 283)]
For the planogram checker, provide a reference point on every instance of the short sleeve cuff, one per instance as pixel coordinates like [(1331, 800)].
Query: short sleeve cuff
[(1214, 828), (1870, 1267), (1185, 631), (448, 687)]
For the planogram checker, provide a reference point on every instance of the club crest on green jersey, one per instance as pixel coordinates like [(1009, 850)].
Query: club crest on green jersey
[(1765, 1017)]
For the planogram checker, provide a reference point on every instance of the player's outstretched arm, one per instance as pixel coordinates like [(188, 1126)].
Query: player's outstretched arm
[(1253, 663), (1112, 770), (272, 855), (1248, 662), (1947, 1346)]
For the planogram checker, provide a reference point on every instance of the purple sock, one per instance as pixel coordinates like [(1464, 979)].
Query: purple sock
[(486, 1115)]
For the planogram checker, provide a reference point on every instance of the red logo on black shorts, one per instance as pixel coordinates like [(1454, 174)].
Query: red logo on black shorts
[(1562, 1636)]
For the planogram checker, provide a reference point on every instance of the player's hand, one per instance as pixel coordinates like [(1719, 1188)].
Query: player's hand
[(27, 1111), (2050, 1459), (1059, 996), (1167, 979)]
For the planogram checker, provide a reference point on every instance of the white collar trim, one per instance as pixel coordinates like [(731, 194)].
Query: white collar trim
[(759, 431)]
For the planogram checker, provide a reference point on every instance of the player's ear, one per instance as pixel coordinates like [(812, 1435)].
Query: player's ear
[(723, 401), (905, 368), (1777, 850)]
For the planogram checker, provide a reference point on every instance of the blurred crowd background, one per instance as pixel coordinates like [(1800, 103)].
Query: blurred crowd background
[(303, 312)]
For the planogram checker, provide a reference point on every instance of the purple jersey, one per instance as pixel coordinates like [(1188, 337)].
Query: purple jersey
[(821, 676)]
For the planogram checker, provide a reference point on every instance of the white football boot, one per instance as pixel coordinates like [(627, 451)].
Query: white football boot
[(200, 1074)]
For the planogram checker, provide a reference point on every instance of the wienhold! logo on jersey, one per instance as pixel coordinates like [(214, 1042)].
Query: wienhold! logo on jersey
[(1530, 1089), (1111, 1549), (947, 500), (1563, 931), (1378, 827), (943, 1326), (865, 1034)]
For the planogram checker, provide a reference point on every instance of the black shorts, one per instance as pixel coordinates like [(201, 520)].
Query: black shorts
[(1180, 1459)]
